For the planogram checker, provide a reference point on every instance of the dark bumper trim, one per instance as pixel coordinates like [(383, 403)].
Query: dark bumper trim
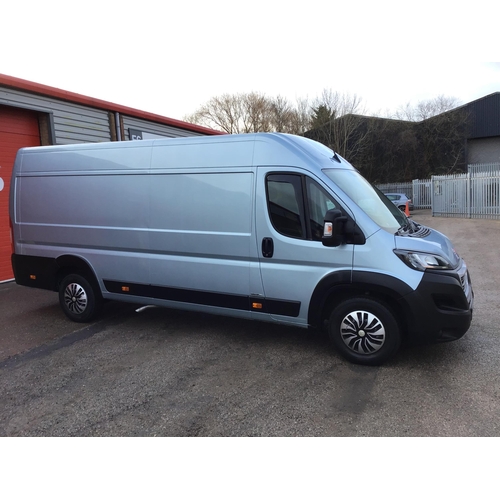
[(439, 309), (35, 272)]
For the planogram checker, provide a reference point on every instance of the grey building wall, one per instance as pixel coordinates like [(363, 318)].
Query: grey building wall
[(484, 116), (70, 123), (483, 150), (130, 122)]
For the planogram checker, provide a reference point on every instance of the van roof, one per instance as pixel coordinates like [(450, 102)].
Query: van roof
[(236, 150)]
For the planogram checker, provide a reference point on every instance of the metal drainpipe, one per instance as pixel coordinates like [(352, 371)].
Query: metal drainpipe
[(117, 124)]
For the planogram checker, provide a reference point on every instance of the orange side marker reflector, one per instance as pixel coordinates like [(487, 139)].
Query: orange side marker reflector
[(125, 289), (32, 277), (256, 305)]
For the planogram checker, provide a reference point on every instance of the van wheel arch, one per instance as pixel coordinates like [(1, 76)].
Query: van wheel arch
[(68, 264), (382, 288), (75, 278)]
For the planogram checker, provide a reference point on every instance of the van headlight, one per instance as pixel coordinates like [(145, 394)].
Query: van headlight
[(423, 261)]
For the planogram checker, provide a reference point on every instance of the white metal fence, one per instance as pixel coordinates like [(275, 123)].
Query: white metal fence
[(475, 194)]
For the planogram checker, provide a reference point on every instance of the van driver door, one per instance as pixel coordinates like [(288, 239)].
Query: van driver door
[(290, 210)]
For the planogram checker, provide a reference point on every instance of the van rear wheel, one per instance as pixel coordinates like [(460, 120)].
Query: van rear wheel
[(364, 331), (80, 301)]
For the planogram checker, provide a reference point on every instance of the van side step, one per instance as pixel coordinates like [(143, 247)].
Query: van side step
[(214, 299)]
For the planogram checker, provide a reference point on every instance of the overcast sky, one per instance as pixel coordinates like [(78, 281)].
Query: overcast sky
[(170, 57)]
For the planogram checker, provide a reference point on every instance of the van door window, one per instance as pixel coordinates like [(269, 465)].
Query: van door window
[(289, 209), (319, 202), (285, 202)]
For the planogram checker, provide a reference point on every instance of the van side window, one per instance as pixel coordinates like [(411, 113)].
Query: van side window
[(319, 202), (285, 202)]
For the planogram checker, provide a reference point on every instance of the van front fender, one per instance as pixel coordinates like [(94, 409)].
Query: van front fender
[(339, 286)]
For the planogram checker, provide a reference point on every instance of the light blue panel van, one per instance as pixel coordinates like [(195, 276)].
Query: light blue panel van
[(272, 227)]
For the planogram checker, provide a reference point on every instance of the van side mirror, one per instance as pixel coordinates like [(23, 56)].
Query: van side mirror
[(333, 228)]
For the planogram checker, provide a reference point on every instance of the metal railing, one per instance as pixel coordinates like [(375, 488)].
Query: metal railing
[(475, 194)]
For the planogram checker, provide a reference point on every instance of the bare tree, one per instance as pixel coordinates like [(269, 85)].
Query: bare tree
[(337, 122), (340, 103), (282, 114), (257, 110), (420, 140), (223, 113), (252, 112), (300, 117), (290, 119), (427, 109)]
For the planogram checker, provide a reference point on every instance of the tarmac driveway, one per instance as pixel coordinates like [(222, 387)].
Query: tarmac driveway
[(169, 373)]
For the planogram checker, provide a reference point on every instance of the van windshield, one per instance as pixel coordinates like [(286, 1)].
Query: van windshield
[(375, 204)]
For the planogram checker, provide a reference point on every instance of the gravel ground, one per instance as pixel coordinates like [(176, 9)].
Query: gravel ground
[(169, 373)]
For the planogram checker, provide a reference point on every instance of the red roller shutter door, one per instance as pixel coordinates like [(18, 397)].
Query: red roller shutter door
[(18, 128)]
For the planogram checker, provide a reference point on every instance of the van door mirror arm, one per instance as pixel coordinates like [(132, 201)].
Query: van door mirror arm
[(333, 228), (339, 229), (353, 233)]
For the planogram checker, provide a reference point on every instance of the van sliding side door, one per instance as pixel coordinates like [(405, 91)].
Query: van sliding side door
[(202, 238), (289, 219)]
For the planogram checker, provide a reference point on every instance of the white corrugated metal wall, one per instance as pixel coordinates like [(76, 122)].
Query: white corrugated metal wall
[(153, 128), (76, 123)]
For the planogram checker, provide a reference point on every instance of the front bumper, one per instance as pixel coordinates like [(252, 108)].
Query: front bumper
[(441, 307)]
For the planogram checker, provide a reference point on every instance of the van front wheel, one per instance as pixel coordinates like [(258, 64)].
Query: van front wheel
[(78, 298), (364, 331)]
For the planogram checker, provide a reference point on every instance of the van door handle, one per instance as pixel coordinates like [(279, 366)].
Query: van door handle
[(267, 247)]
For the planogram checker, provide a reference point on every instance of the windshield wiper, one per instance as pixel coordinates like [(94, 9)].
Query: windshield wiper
[(409, 226), (404, 228)]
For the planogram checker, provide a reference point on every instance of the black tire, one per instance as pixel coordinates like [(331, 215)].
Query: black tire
[(402, 208), (364, 331), (80, 301)]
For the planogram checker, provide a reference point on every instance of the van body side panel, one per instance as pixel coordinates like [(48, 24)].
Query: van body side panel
[(95, 217), (201, 231), (201, 153), (86, 158), (89, 201)]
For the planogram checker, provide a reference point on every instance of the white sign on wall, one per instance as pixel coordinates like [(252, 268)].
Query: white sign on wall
[(139, 135)]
